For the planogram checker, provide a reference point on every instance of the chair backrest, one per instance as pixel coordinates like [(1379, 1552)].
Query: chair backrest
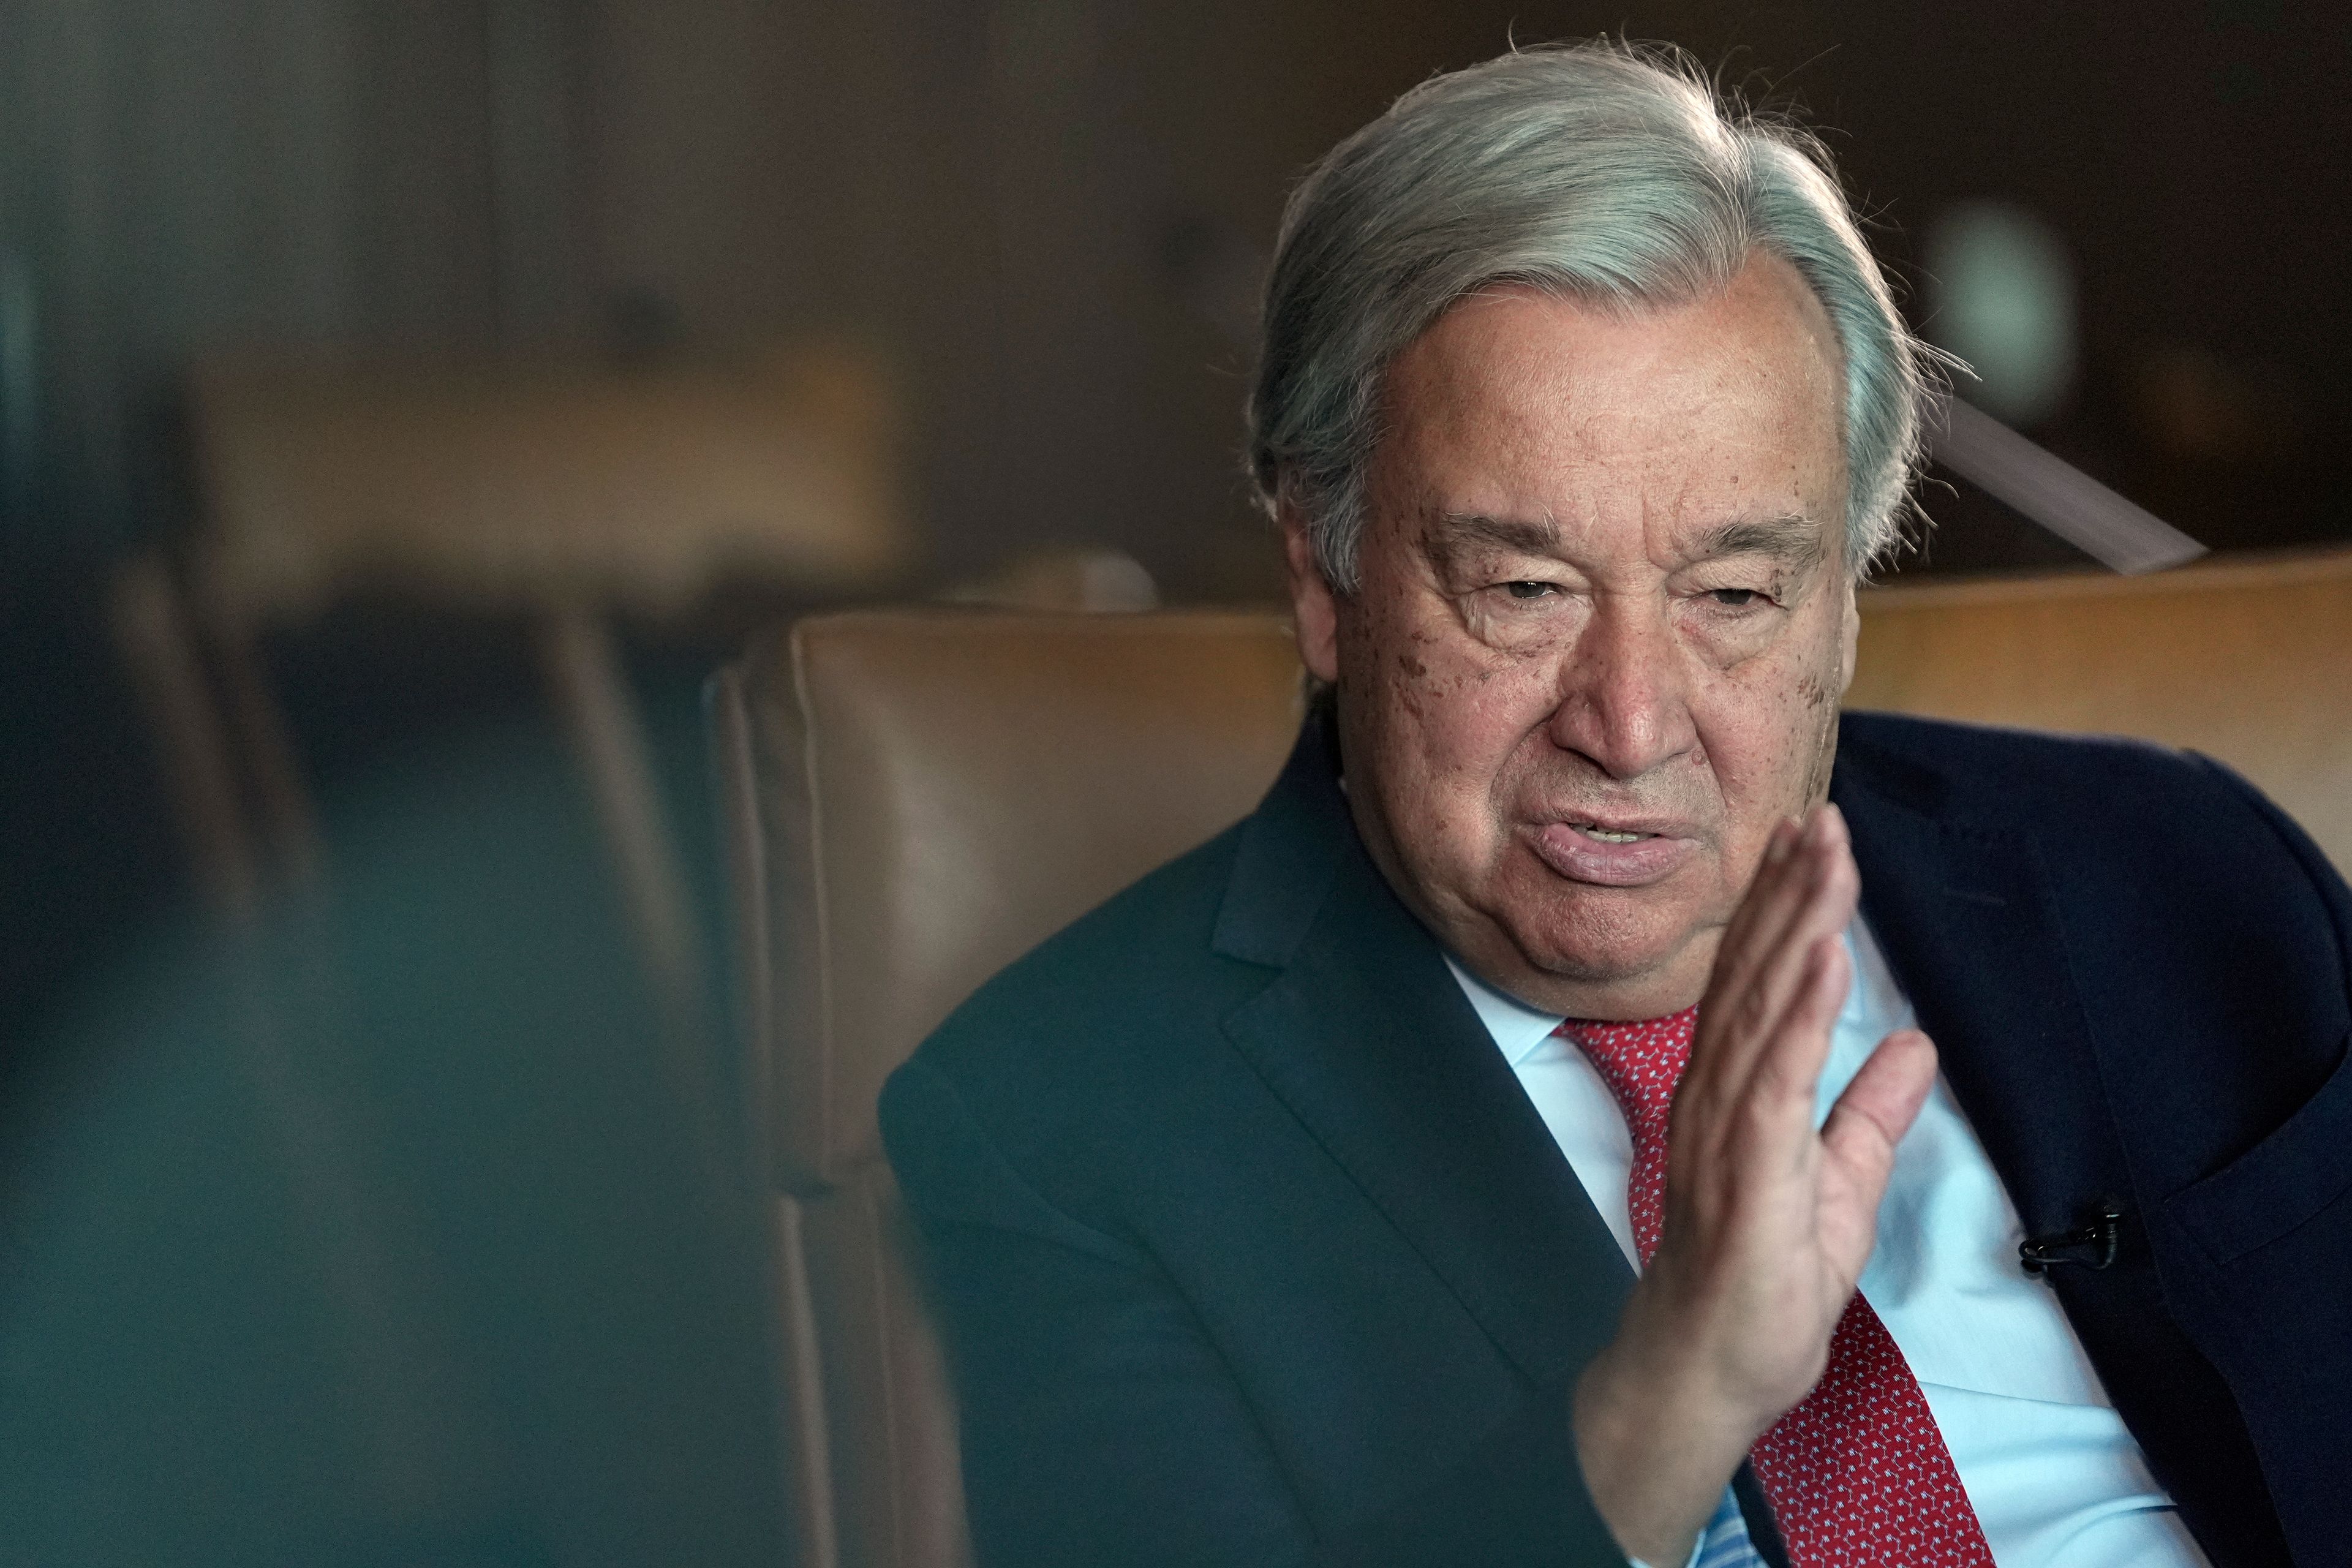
[(918, 798), (511, 485), (2247, 660)]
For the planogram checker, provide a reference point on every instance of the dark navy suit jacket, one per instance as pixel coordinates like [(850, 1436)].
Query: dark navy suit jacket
[(1251, 1250)]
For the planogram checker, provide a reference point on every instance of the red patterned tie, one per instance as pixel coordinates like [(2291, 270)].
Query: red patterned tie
[(1857, 1473)]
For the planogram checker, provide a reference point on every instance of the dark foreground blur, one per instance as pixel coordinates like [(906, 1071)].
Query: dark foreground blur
[(377, 1231)]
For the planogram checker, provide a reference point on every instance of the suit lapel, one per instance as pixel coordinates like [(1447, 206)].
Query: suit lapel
[(1367, 1038)]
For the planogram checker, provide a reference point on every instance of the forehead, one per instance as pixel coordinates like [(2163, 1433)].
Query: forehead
[(1519, 403)]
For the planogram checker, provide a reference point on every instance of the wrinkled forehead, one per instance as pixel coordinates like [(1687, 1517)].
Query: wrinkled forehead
[(1712, 424)]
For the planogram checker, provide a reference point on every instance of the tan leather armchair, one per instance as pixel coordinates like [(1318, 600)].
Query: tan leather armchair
[(916, 798)]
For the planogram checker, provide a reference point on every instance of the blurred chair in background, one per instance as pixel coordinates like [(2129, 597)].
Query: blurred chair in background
[(561, 495), (916, 799)]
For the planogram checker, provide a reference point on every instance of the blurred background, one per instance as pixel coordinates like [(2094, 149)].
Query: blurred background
[(404, 407)]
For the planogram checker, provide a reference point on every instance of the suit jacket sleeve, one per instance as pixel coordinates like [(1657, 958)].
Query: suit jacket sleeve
[(1101, 1425)]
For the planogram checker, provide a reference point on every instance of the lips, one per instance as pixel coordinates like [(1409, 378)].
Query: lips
[(1612, 853)]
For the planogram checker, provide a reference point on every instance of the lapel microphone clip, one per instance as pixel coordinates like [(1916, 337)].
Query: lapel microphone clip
[(2094, 1246)]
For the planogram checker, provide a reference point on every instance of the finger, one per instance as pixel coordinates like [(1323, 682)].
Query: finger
[(1870, 1118), (1783, 1074), (1761, 1115), (1776, 900), (1770, 1096), (1771, 871), (1824, 909), (1754, 990)]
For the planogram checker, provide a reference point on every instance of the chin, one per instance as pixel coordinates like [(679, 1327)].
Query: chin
[(1592, 964), (1599, 936)]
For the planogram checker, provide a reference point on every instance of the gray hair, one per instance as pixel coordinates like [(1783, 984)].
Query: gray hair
[(1597, 171)]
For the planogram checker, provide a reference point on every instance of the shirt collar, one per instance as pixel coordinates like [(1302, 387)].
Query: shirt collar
[(1519, 1030), (1522, 1033)]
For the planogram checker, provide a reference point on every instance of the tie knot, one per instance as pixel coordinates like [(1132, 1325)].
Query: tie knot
[(1639, 1061)]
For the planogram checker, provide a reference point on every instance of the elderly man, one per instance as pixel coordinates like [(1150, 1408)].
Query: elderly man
[(1317, 1199)]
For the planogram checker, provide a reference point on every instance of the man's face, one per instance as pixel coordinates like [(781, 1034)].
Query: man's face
[(1603, 626)]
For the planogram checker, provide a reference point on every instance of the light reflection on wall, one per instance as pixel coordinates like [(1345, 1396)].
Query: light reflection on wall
[(2002, 295)]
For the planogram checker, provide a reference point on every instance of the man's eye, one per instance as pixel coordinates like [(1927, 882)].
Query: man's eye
[(1527, 590), (1735, 599)]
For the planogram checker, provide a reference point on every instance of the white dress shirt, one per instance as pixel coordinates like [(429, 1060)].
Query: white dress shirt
[(2055, 1479)]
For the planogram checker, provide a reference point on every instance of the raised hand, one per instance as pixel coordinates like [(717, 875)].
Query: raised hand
[(1766, 1223)]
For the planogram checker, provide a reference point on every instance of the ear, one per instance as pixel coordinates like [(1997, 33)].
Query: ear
[(1314, 608), (1849, 637)]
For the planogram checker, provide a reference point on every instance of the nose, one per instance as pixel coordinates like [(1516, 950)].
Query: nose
[(1623, 696)]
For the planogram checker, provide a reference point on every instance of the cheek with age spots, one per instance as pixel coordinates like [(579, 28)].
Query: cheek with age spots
[(1823, 714), (1380, 655), (1407, 682), (1414, 677)]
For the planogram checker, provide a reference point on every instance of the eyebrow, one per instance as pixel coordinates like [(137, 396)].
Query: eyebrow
[(1790, 538), (1455, 529)]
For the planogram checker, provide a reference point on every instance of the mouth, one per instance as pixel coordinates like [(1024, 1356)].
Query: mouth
[(1620, 853), (1621, 829)]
